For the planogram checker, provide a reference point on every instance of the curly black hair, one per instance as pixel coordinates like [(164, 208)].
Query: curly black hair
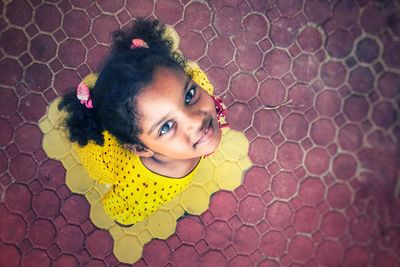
[(124, 74)]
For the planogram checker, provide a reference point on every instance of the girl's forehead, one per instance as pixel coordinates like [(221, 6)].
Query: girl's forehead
[(166, 80), (164, 94)]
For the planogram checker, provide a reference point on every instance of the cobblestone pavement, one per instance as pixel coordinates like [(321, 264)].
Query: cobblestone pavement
[(324, 188)]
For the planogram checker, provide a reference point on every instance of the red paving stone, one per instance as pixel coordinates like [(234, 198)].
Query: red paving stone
[(323, 189)]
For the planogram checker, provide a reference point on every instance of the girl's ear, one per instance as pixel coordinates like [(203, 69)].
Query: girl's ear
[(139, 150)]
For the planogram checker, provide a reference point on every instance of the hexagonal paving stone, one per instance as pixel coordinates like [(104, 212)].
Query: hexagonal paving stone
[(256, 180), (312, 191), (25, 173), (227, 21), (305, 68), (339, 196), (279, 215), (328, 103), (190, 229), (185, 256), (15, 233), (43, 47), (301, 248), (329, 253), (322, 132), (75, 208), (283, 32), (284, 185), (273, 244), (9, 255), (8, 102), (244, 87), (289, 155), (14, 41), (277, 63), (317, 160), (295, 127), (333, 73), (218, 57), (263, 128), (310, 39), (76, 23), (261, 151), (367, 50), (28, 138), (301, 96), (17, 198), (272, 92), (156, 253), (41, 233), (213, 258), (251, 210), (344, 166), (246, 239), (99, 243), (39, 257), (46, 204), (249, 57), (350, 137), (387, 84), (339, 43), (218, 234), (14, 72), (306, 219)]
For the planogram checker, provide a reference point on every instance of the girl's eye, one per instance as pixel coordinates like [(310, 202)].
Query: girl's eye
[(166, 127), (190, 94)]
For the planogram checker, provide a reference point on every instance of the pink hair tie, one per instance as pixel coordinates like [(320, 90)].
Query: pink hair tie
[(138, 43), (83, 94)]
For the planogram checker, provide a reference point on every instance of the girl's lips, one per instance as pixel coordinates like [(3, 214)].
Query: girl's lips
[(206, 134)]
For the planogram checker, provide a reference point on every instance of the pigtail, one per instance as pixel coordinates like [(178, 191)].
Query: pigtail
[(81, 122)]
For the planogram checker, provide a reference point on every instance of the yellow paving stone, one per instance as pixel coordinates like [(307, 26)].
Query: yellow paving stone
[(145, 236), (54, 115), (136, 228), (117, 232), (195, 199), (45, 125), (128, 249), (228, 175), (212, 187), (69, 161), (244, 163), (55, 145), (99, 217), (234, 145), (217, 158), (177, 211), (78, 180), (93, 195), (162, 224), (203, 173)]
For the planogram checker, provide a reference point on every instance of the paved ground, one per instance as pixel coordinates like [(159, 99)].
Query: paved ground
[(324, 188)]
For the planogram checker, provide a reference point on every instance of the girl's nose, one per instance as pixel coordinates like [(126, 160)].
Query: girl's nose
[(193, 121)]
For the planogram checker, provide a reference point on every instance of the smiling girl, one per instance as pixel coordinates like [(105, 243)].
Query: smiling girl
[(145, 125)]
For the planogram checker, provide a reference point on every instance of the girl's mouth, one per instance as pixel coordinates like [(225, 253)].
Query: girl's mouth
[(206, 133)]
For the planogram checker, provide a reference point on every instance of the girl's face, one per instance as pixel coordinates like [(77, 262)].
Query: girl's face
[(178, 118)]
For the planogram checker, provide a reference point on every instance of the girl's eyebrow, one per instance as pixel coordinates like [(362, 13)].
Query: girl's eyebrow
[(185, 88)]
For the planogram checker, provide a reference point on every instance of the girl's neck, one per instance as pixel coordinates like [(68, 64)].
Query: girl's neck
[(170, 167)]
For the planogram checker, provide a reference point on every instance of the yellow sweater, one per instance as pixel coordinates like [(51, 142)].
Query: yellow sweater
[(137, 192)]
